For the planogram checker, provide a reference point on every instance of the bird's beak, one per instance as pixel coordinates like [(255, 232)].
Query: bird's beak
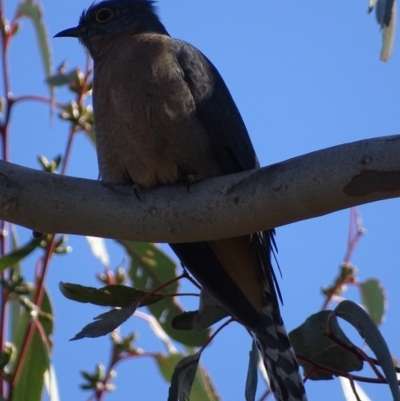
[(69, 33)]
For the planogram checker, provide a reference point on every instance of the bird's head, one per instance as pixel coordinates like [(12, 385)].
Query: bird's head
[(114, 17)]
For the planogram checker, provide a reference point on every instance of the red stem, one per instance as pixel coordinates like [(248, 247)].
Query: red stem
[(73, 129), (35, 98), (337, 372), (4, 132), (355, 233), (229, 321), (42, 274)]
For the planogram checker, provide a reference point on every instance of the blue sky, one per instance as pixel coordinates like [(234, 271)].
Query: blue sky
[(305, 76)]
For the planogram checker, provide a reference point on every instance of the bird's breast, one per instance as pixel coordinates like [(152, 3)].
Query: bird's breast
[(145, 117)]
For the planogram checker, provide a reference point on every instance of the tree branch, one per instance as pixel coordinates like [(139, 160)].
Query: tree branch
[(297, 189)]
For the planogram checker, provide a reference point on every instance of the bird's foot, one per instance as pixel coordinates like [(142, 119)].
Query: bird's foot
[(136, 190), (192, 179)]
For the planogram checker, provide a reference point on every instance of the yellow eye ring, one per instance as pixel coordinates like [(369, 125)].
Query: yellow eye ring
[(104, 15)]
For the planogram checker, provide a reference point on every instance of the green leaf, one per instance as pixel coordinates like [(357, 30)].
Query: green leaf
[(21, 324), (72, 78), (183, 378), (15, 307), (252, 373), (309, 340), (374, 299), (34, 366), (209, 313), (115, 295), (204, 384), (150, 268), (362, 322), (167, 364), (22, 319), (46, 315), (185, 321), (33, 10), (18, 254), (202, 389), (106, 322)]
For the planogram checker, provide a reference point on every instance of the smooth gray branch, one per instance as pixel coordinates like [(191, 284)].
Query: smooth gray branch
[(297, 189)]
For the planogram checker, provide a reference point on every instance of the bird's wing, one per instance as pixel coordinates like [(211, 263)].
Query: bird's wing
[(238, 265), (217, 111), (245, 261)]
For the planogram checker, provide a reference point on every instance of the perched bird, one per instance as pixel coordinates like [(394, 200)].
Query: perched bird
[(164, 115)]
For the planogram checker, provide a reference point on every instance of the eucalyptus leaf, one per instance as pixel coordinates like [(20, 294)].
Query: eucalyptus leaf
[(310, 341), (106, 322), (252, 373), (19, 253), (111, 295), (183, 378), (362, 322)]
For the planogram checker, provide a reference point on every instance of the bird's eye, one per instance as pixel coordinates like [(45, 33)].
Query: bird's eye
[(104, 15)]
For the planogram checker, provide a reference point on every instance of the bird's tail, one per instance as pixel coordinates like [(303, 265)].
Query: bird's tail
[(270, 336), (281, 364)]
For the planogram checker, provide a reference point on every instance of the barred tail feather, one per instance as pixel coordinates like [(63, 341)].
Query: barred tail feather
[(270, 336), (281, 365)]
